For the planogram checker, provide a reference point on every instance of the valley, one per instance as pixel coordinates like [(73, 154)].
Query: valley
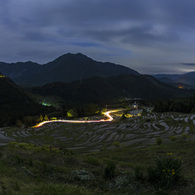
[(102, 129), (138, 131), (97, 97)]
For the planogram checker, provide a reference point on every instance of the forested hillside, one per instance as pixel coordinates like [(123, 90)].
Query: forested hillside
[(186, 105), (15, 103), (105, 90)]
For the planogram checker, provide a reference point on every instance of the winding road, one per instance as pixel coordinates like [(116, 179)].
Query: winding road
[(107, 114)]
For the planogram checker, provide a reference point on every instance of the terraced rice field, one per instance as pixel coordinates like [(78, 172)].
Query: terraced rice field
[(138, 132)]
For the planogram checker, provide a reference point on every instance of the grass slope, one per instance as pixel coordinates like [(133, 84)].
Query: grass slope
[(60, 158), (30, 169)]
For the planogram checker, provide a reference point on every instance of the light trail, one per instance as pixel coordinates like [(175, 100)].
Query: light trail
[(107, 114)]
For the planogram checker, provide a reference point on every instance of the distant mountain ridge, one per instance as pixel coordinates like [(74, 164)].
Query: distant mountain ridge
[(66, 68), (187, 79)]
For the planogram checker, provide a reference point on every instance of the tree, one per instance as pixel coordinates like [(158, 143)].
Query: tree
[(18, 123), (46, 118), (41, 118), (123, 116)]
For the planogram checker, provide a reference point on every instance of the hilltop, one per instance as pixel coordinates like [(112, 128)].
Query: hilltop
[(66, 68)]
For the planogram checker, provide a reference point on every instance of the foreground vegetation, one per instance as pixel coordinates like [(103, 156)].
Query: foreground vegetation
[(31, 169)]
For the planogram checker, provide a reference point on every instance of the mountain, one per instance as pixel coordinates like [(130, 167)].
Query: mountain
[(185, 80), (22, 72), (188, 78), (15, 103), (66, 68), (168, 77), (106, 90), (11, 93)]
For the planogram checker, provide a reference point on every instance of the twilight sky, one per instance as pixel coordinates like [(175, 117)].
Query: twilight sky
[(150, 36)]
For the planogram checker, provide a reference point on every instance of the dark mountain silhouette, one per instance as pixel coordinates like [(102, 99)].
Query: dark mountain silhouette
[(15, 103), (11, 93), (22, 72), (66, 68), (105, 90)]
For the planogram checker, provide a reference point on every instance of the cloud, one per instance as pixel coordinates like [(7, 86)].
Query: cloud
[(85, 44), (141, 34), (188, 64)]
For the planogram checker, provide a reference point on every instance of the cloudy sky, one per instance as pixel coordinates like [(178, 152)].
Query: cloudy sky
[(150, 36)]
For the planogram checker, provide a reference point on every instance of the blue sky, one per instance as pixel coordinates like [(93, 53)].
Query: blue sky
[(150, 36)]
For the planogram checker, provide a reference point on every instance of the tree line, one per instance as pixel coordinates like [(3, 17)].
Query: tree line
[(184, 105), (27, 114), (82, 110)]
